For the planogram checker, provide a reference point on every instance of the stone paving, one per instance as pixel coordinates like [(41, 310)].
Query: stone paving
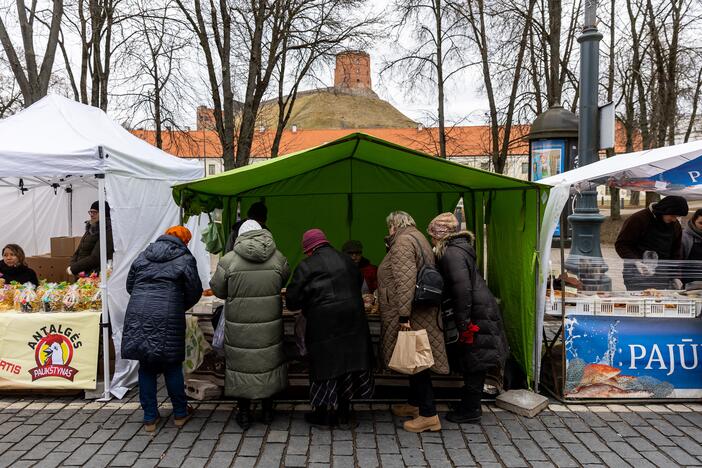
[(49, 432)]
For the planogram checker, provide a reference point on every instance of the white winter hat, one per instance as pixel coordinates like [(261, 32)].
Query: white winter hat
[(249, 225)]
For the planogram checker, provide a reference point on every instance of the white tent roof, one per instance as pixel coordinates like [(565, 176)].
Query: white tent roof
[(57, 137), (671, 170)]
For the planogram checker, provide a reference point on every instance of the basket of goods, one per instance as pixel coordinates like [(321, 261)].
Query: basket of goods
[(52, 296), (90, 293), (370, 304), (26, 298), (71, 298)]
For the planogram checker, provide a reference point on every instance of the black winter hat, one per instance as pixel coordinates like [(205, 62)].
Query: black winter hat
[(672, 205), (352, 246), (96, 206), (258, 212)]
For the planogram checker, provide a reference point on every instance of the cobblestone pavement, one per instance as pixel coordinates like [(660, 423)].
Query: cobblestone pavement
[(50, 432)]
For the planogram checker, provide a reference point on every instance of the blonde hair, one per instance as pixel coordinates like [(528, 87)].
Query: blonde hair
[(399, 219)]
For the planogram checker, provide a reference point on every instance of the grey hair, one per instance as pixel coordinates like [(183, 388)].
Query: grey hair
[(399, 219)]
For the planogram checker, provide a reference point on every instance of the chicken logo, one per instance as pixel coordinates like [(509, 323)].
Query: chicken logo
[(53, 354)]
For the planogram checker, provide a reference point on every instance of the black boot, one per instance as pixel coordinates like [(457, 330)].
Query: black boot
[(344, 415), (466, 412), (319, 417), (243, 416), (267, 413)]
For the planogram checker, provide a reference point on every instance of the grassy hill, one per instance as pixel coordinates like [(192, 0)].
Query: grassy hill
[(329, 109)]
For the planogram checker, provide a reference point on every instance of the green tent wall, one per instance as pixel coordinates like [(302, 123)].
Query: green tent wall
[(347, 188)]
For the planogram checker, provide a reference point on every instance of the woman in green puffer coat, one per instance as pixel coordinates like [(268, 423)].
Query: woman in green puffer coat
[(250, 278)]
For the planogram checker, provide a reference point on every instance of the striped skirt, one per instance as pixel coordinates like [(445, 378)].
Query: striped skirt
[(353, 385)]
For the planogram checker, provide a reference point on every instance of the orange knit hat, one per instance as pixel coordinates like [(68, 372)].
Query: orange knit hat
[(181, 232)]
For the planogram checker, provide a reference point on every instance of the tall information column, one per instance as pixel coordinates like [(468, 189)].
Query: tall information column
[(585, 258)]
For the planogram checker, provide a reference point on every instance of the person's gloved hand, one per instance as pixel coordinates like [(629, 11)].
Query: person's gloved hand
[(676, 284), (467, 332), (644, 269)]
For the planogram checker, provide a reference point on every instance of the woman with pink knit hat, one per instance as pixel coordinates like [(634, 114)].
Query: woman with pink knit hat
[(482, 343), (326, 286)]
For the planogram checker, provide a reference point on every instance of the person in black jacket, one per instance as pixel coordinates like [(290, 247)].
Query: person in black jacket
[(482, 344), (86, 258), (163, 283), (13, 266), (327, 287)]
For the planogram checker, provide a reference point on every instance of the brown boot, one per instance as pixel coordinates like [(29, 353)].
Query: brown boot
[(404, 410), (423, 423)]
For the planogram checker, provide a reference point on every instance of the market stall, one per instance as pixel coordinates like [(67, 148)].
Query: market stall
[(56, 158), (626, 344), (347, 187)]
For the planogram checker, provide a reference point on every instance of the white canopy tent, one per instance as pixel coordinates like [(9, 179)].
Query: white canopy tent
[(671, 170), (56, 158)]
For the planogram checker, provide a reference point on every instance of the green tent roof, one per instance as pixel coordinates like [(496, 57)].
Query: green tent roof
[(347, 188), (361, 148)]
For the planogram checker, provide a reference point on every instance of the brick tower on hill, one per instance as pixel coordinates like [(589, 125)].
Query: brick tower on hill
[(353, 71)]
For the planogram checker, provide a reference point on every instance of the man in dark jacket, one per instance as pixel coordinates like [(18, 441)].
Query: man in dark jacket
[(326, 286), (482, 344), (163, 283), (257, 212), (654, 229), (354, 249), (86, 258)]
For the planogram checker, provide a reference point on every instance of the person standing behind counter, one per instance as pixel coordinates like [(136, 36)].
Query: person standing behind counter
[(653, 229), (14, 268), (86, 258)]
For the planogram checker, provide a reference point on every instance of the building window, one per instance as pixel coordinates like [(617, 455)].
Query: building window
[(525, 168), (211, 169)]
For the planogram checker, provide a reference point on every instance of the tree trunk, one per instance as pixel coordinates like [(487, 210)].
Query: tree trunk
[(635, 198), (440, 78)]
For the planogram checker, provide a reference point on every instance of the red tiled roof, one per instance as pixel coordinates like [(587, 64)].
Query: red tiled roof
[(460, 141)]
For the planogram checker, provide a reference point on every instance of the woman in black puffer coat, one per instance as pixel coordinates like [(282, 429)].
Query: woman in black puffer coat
[(163, 283), (482, 344)]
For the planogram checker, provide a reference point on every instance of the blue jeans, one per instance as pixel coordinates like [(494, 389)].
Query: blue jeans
[(175, 384)]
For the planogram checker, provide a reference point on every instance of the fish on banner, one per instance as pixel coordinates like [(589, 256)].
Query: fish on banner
[(620, 357)]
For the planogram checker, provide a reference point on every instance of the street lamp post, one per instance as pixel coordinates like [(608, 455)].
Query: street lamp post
[(585, 258)]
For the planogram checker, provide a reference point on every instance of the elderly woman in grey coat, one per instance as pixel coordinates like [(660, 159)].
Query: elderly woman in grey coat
[(250, 278)]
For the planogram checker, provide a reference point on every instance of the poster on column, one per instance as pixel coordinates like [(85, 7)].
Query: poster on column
[(630, 357), (49, 350)]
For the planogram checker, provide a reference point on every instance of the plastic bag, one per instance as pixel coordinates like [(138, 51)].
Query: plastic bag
[(218, 337), (196, 346), (412, 353), (212, 238)]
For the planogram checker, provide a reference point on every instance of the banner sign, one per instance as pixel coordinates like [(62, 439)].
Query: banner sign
[(630, 357), (682, 180), (49, 350)]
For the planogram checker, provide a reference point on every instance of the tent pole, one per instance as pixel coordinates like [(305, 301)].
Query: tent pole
[(105, 322), (69, 190), (537, 276)]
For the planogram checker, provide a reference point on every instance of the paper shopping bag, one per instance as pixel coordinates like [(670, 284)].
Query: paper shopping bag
[(412, 353)]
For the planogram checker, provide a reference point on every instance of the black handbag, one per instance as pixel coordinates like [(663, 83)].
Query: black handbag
[(429, 285)]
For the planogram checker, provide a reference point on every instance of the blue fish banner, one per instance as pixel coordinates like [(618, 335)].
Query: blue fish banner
[(632, 357), (683, 180)]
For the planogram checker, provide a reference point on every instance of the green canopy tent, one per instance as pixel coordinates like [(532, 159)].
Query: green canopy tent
[(347, 188)]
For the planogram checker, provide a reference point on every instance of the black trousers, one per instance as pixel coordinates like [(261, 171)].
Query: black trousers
[(472, 390), (421, 393), (245, 404)]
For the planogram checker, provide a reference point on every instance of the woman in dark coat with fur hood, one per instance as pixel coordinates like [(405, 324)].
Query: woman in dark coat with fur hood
[(482, 344)]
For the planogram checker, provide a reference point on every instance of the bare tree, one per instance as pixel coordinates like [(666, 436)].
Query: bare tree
[(101, 28), (495, 29), (211, 23), (321, 29), (158, 53), (437, 53), (32, 78)]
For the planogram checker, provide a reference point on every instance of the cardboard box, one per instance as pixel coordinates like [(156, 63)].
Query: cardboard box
[(64, 246), (52, 269)]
